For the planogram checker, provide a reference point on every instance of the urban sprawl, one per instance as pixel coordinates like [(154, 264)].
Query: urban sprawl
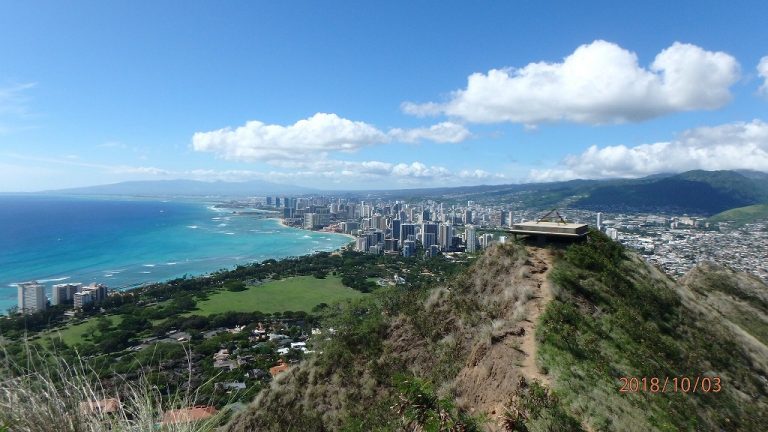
[(675, 243)]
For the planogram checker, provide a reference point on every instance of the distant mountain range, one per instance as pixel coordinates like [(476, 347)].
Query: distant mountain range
[(187, 188), (697, 192), (693, 192)]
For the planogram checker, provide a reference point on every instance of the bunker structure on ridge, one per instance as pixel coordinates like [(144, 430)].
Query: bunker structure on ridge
[(550, 227)]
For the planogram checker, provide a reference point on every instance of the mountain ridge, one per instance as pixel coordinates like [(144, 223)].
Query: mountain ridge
[(460, 344), (181, 187)]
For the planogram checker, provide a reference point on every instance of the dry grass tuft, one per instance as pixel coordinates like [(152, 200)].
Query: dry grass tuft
[(53, 395)]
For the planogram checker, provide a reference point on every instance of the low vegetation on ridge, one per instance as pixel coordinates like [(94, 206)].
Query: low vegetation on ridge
[(447, 348)]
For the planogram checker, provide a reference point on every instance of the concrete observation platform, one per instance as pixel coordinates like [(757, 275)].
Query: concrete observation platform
[(545, 232)]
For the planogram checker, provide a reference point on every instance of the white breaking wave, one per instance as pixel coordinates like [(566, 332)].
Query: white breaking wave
[(59, 279)]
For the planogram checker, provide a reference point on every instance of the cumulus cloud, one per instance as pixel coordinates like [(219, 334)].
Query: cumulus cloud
[(318, 135), (762, 69), (740, 145), (327, 170), (445, 132), (598, 83)]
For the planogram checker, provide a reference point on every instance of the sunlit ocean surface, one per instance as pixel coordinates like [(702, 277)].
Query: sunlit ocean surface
[(126, 243)]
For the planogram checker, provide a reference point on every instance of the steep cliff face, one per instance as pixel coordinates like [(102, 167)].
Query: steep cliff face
[(534, 339)]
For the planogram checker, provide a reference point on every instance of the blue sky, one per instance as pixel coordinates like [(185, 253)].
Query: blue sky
[(396, 94)]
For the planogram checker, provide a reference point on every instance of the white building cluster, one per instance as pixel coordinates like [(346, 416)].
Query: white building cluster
[(32, 295), (397, 227)]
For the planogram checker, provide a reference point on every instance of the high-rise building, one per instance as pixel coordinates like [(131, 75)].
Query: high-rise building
[(407, 230), (65, 292), (396, 228), (599, 221), (467, 217), (409, 248), (445, 236), (317, 220), (471, 238), (269, 201), (378, 222), (98, 291), (348, 227), (31, 297), (83, 298), (362, 244), (486, 240), (428, 239), (429, 234), (426, 215), (310, 220)]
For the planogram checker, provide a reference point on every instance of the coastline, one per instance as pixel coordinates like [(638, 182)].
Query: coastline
[(282, 223), (188, 223)]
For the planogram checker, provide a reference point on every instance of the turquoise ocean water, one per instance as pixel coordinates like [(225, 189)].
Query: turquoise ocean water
[(126, 243)]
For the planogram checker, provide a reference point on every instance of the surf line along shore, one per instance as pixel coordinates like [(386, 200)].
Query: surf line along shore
[(282, 222)]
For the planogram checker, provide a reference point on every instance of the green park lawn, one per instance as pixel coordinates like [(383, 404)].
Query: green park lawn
[(74, 333), (300, 293)]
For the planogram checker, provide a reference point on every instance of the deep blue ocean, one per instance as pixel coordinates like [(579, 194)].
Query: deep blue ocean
[(126, 243)]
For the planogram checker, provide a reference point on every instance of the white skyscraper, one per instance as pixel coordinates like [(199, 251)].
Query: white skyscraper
[(599, 221), (31, 297), (471, 238)]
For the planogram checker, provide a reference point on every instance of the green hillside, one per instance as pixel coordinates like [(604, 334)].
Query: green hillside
[(696, 192), (616, 317), (742, 215), (458, 356)]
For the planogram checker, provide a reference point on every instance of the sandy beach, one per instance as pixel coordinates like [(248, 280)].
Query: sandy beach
[(282, 223)]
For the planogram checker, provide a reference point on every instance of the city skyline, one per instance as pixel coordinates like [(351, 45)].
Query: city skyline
[(398, 96)]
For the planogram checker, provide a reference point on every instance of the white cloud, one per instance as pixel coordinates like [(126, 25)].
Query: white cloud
[(381, 174), (478, 174), (316, 136), (14, 111), (740, 145), (762, 69), (598, 83), (13, 99), (445, 132)]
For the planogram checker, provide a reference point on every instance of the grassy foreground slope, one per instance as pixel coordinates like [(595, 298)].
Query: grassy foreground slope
[(615, 316), (447, 356)]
